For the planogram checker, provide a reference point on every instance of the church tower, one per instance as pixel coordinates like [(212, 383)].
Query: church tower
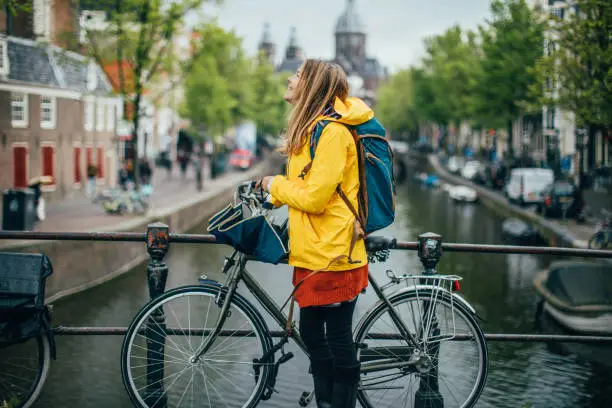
[(266, 46), (350, 39)]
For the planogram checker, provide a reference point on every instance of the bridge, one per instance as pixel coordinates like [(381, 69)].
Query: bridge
[(159, 238)]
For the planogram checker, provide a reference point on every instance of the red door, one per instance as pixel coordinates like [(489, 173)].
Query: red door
[(20, 166), (48, 162), (77, 164), (100, 162)]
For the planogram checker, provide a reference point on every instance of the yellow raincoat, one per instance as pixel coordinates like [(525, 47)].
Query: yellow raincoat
[(320, 223)]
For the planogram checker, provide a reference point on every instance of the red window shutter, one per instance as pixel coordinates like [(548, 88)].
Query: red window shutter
[(48, 159), (20, 166), (100, 162), (77, 164)]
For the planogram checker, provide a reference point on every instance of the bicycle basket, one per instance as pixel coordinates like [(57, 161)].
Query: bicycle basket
[(253, 235), (22, 296)]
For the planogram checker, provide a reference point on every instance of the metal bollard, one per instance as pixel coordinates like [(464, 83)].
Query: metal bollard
[(428, 395), (157, 274)]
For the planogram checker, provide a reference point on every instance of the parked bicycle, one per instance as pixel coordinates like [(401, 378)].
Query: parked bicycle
[(602, 238), (26, 340), (207, 345)]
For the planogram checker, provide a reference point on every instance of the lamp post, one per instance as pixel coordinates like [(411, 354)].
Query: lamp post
[(581, 142)]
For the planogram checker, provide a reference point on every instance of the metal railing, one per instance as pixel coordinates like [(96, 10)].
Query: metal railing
[(158, 238)]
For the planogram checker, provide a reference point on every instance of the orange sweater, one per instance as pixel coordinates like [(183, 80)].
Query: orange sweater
[(325, 288)]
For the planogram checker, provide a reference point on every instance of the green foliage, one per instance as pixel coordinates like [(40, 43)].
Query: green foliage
[(270, 110), (578, 66), (451, 63), (218, 92), (16, 6), (396, 107), (511, 47), (225, 87)]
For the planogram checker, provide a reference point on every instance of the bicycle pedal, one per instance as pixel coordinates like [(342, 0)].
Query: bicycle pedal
[(285, 357), (306, 398)]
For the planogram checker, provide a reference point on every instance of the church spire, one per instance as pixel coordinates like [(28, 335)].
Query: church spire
[(266, 46)]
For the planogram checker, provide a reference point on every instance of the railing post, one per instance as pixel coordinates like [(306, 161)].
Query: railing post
[(428, 395), (157, 274)]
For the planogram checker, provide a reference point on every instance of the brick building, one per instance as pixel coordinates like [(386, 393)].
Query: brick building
[(57, 113)]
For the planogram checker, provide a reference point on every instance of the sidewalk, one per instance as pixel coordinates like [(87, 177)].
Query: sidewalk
[(575, 234), (81, 214)]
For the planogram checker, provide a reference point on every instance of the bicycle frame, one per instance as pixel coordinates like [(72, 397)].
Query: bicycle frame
[(240, 272)]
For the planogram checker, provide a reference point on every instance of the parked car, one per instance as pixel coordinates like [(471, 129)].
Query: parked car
[(471, 170), (241, 159), (455, 164), (527, 185), (562, 195)]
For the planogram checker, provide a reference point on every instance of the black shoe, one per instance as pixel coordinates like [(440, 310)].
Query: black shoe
[(322, 376), (344, 393)]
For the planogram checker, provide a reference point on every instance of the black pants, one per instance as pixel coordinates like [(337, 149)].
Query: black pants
[(327, 332)]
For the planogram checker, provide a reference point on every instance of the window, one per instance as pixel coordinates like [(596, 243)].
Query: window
[(100, 116), (47, 151), (42, 19), (4, 61), (20, 165), (110, 117), (89, 114), (47, 112), (100, 152), (19, 110), (76, 158)]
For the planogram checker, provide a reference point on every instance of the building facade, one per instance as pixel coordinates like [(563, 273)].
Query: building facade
[(350, 38), (57, 113)]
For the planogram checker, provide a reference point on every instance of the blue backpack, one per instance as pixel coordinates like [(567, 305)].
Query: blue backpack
[(377, 182)]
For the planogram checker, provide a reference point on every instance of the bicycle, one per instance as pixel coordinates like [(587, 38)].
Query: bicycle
[(208, 346), (26, 341), (602, 238)]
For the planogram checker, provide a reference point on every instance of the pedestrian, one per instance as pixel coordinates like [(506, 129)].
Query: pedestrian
[(92, 172), (322, 225), (124, 177)]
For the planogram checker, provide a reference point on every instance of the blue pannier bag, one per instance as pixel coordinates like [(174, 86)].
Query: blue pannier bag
[(377, 182), (253, 235)]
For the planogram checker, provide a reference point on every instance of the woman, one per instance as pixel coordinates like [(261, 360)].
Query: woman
[(321, 225)]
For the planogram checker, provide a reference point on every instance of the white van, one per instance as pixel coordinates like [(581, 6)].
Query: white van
[(526, 185)]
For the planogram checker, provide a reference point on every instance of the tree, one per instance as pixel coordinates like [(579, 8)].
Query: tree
[(16, 6), (577, 70), (396, 106), (141, 32), (511, 45), (270, 110), (219, 89)]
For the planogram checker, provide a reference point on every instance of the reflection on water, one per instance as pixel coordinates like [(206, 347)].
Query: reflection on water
[(87, 372)]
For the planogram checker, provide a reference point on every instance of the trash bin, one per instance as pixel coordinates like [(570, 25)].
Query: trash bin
[(18, 211)]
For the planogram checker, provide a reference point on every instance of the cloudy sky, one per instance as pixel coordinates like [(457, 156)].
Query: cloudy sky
[(395, 27)]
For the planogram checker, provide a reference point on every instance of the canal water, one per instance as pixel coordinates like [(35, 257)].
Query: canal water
[(86, 372)]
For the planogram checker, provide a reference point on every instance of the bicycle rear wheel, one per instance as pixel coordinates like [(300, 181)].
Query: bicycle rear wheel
[(452, 370), (23, 370), (156, 357)]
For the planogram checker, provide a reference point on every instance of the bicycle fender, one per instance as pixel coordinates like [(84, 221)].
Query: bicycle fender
[(413, 288)]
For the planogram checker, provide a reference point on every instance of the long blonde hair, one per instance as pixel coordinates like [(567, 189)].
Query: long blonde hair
[(320, 84)]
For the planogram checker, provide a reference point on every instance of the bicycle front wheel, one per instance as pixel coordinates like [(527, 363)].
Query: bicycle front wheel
[(23, 370), (156, 359), (450, 370)]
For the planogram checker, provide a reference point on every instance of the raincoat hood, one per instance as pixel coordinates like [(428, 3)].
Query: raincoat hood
[(353, 111)]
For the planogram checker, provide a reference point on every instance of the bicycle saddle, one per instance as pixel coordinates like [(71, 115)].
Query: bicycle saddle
[(379, 243)]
